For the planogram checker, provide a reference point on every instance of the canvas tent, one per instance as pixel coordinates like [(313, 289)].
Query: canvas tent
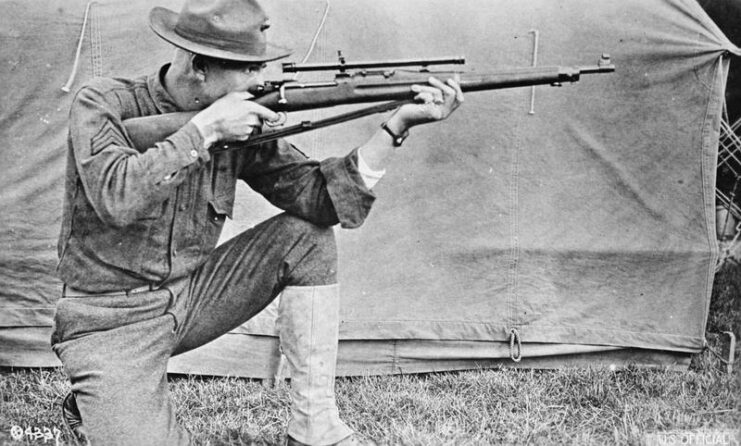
[(727, 15), (586, 227)]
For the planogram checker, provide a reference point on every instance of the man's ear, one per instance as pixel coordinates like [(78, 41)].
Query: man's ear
[(199, 65)]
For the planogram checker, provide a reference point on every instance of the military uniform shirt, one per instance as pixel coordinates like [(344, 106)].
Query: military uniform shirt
[(136, 218)]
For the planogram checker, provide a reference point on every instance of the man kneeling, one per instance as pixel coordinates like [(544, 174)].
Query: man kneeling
[(143, 277)]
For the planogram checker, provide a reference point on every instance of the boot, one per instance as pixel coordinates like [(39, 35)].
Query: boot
[(73, 419), (308, 326)]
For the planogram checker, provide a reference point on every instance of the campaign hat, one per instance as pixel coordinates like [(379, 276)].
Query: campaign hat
[(223, 29)]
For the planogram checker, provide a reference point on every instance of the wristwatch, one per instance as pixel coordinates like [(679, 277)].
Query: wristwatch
[(397, 139)]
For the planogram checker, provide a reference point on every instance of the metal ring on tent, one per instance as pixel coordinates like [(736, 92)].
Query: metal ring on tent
[(514, 336)]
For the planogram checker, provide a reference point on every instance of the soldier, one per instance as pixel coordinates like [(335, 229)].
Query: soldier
[(143, 277)]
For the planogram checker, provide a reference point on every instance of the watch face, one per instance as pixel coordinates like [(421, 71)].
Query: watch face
[(397, 139)]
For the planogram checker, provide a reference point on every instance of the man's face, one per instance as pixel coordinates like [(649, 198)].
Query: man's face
[(225, 78)]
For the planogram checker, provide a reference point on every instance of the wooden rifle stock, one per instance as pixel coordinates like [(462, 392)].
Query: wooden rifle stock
[(361, 87)]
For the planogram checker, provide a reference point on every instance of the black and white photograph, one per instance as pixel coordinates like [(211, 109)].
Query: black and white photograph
[(351, 222)]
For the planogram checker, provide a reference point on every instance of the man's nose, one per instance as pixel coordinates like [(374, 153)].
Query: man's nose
[(257, 85), (259, 78)]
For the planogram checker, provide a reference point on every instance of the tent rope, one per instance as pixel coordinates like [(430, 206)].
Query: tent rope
[(728, 231), (318, 31), (309, 52), (514, 340), (96, 45), (716, 354), (727, 250), (68, 86)]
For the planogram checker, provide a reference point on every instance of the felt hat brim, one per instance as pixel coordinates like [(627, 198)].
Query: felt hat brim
[(163, 21)]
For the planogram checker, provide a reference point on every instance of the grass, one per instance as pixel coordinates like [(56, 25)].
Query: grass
[(501, 406)]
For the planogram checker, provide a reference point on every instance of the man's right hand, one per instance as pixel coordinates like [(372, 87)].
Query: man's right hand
[(231, 118)]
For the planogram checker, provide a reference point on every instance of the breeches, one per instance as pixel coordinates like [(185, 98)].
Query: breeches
[(115, 347)]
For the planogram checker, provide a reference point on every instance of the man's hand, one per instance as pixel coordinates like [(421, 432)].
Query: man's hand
[(435, 101), (231, 118)]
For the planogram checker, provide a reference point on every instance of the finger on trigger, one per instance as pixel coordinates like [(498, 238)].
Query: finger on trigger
[(266, 114)]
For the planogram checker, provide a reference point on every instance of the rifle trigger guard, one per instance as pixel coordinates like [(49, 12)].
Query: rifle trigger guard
[(282, 118)]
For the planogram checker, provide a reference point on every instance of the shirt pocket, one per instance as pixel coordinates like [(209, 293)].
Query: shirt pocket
[(223, 185)]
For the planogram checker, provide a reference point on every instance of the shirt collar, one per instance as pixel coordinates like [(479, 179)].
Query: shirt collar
[(163, 101)]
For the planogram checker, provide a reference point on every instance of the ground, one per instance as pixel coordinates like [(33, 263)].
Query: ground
[(502, 406)]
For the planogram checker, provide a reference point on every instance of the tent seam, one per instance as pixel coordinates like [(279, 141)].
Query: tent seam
[(514, 226), (577, 327)]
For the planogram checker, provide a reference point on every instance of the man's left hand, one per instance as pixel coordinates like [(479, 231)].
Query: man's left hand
[(435, 102)]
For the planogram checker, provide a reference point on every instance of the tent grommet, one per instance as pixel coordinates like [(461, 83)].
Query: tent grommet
[(515, 341)]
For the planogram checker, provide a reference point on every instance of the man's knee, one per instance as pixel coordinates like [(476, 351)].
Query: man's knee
[(313, 260), (322, 237)]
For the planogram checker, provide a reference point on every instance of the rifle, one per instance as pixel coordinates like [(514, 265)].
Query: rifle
[(354, 83)]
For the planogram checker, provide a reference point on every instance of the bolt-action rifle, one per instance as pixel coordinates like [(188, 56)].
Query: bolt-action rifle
[(354, 83)]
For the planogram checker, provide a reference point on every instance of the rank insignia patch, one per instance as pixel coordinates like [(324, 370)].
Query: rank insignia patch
[(106, 136)]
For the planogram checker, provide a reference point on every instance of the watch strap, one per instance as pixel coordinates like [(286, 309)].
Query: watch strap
[(396, 138)]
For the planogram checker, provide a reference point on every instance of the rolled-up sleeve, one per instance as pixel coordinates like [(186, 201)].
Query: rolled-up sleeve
[(121, 183), (324, 192)]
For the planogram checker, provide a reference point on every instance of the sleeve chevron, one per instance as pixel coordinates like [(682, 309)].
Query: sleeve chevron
[(107, 135)]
